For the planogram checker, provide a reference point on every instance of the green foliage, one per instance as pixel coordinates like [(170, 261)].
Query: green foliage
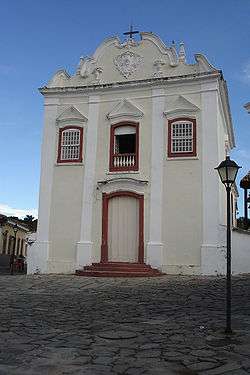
[(28, 219), (242, 224)]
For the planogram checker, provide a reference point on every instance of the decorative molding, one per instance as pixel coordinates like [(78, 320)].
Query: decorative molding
[(86, 66), (127, 63), (125, 109), (128, 44), (181, 106), (97, 73), (71, 114), (158, 64), (182, 54), (169, 51), (105, 44), (121, 179), (59, 79), (204, 64)]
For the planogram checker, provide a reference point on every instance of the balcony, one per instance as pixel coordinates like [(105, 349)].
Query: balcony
[(124, 162)]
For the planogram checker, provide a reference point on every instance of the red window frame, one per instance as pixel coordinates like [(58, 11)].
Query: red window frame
[(61, 130), (181, 154), (112, 154)]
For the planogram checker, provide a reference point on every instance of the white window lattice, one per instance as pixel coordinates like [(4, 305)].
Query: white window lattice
[(70, 144), (182, 137)]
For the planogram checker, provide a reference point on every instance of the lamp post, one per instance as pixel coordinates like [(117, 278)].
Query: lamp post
[(15, 228), (228, 170)]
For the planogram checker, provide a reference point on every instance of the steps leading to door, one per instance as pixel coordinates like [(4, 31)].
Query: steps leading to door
[(119, 269)]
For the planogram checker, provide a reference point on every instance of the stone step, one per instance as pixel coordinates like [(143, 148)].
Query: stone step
[(118, 269), (121, 264), (99, 273)]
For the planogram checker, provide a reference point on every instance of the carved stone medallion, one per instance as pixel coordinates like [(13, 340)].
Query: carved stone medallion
[(127, 63)]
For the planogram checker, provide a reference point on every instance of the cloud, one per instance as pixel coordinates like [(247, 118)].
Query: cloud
[(246, 72), (10, 211)]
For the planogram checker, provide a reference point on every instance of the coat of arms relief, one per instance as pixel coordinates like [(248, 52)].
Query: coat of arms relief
[(127, 63)]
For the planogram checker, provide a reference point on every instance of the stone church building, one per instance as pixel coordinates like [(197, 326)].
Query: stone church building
[(129, 148)]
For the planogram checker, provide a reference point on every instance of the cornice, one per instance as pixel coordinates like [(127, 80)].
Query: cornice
[(151, 82), (227, 111)]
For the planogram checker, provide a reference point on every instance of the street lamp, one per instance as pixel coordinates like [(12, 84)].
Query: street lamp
[(228, 170), (15, 228)]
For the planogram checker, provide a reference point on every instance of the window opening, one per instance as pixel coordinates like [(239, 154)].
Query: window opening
[(70, 146), (125, 144), (182, 137)]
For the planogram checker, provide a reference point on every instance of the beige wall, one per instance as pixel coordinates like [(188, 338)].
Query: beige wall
[(65, 213), (21, 235), (182, 181)]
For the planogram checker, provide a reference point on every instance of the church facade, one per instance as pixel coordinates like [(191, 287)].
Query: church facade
[(129, 148)]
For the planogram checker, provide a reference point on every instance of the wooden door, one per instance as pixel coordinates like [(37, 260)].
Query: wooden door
[(123, 229)]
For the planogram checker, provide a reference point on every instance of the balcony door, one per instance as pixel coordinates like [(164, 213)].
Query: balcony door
[(124, 147)]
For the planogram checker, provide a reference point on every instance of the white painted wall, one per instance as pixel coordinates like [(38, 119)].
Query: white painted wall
[(240, 252), (39, 252), (183, 199)]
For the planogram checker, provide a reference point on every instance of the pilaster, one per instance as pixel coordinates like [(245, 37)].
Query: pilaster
[(211, 253), (84, 246), (155, 245), (38, 254)]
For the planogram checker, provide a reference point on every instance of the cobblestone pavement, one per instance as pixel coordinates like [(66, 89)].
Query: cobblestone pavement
[(167, 325)]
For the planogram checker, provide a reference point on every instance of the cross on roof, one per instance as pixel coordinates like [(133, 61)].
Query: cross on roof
[(131, 32)]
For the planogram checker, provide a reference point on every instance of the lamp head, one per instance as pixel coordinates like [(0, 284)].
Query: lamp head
[(228, 170)]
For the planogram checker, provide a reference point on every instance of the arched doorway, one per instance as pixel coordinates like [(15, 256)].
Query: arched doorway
[(122, 227)]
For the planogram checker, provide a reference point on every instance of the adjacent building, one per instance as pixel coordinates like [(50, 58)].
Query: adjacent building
[(9, 241)]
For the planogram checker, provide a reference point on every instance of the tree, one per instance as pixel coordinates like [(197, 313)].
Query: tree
[(28, 219), (242, 224)]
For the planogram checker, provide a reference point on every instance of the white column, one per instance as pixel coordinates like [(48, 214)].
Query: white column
[(84, 246), (155, 245), (38, 253), (212, 257)]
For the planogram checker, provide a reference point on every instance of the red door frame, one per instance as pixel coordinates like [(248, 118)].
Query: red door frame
[(105, 204)]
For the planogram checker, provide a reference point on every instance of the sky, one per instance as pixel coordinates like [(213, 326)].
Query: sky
[(38, 37)]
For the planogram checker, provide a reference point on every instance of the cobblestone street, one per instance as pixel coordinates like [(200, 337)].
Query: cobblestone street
[(167, 325)]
